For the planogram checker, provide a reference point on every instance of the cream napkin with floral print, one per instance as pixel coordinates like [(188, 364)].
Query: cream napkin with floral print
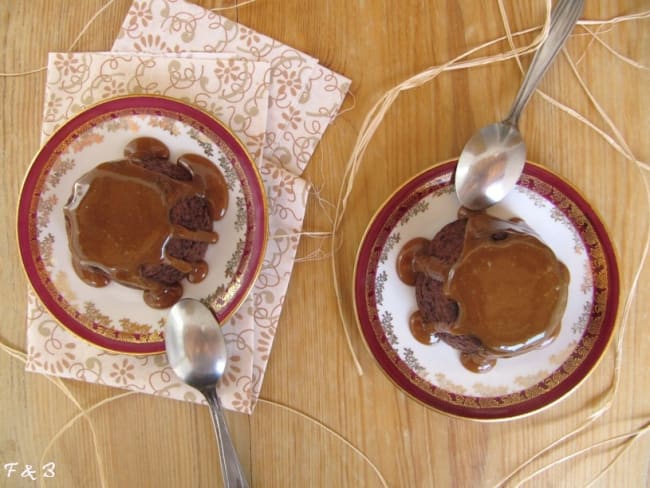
[(300, 98), (305, 96)]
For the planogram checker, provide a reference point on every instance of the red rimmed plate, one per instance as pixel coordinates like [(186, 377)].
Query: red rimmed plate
[(517, 386), (115, 317)]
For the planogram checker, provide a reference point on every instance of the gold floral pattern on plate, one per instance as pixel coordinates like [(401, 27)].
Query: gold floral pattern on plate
[(115, 317), (517, 386)]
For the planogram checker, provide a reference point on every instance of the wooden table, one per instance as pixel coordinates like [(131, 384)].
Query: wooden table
[(147, 441)]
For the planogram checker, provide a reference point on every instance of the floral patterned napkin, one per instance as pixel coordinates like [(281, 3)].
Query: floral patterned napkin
[(304, 98), (301, 98)]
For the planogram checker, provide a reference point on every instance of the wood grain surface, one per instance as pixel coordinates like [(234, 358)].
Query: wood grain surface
[(146, 441)]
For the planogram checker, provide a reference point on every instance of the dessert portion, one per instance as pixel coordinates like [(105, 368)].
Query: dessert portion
[(145, 221), (489, 288)]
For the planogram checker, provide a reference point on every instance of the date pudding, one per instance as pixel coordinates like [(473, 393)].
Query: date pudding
[(144, 221), (489, 288)]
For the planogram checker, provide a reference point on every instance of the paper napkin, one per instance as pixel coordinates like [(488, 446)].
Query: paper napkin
[(305, 96)]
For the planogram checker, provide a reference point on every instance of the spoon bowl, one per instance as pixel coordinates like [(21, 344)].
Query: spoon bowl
[(196, 351), (493, 159), (195, 345), (490, 165)]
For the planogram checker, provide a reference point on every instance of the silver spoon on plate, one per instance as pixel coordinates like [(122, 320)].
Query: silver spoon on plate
[(196, 351), (493, 159)]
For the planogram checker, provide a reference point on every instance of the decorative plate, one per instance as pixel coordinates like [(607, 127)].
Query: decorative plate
[(517, 386), (115, 317)]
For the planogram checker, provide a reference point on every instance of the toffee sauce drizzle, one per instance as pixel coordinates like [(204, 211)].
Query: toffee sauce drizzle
[(117, 219), (510, 289)]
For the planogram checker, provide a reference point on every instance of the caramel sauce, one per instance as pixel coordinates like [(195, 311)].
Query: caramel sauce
[(198, 272), (146, 148), (510, 288), (422, 332), (117, 219), (215, 188), (405, 269), (477, 363), (163, 297)]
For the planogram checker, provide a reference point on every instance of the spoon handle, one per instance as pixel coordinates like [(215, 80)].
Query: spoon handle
[(563, 18), (233, 475)]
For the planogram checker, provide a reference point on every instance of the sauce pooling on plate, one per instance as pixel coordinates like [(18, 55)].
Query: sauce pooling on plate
[(508, 287), (125, 216)]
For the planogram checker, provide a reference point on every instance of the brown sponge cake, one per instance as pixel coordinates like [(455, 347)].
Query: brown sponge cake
[(193, 213), (432, 302)]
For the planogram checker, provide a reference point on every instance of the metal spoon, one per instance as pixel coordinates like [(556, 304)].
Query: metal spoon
[(493, 159), (196, 351)]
